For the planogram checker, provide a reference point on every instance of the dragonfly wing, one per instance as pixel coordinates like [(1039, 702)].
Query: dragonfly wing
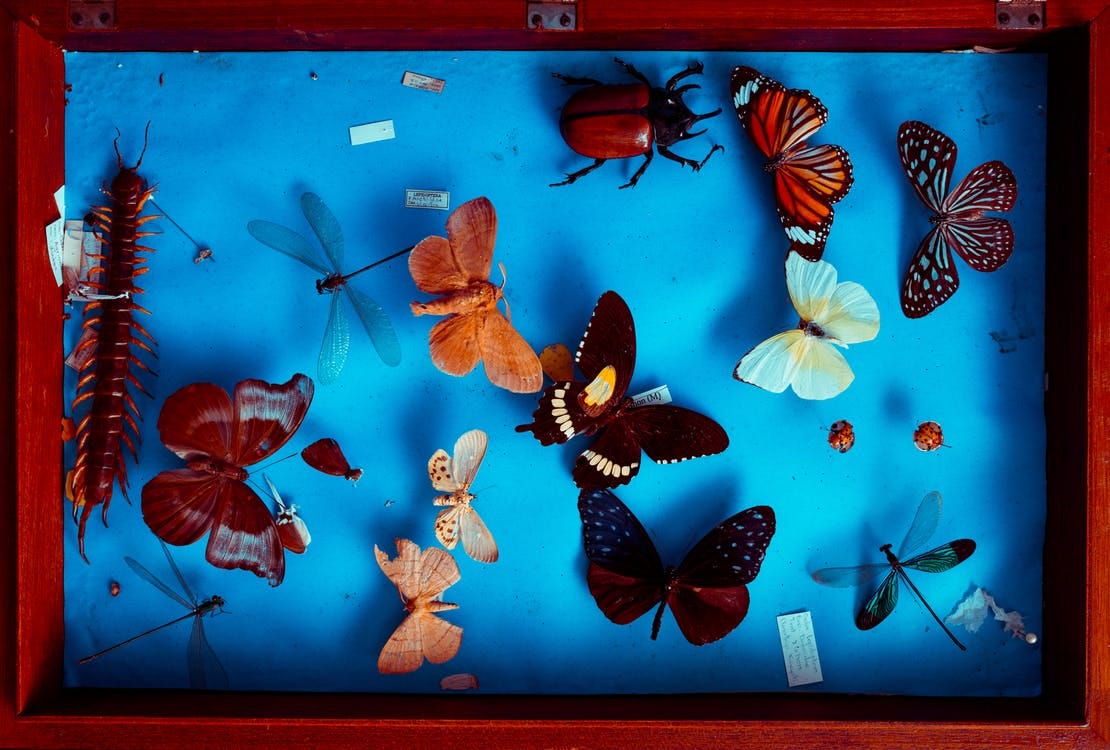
[(378, 326), (150, 578), (923, 526), (324, 224), (288, 242), (177, 573), (880, 605), (850, 576), (205, 669), (942, 558), (336, 343)]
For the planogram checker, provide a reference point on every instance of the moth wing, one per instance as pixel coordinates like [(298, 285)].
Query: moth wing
[(434, 268), (453, 343), (326, 456), (476, 538), (447, 526), (472, 232), (509, 361), (470, 449), (404, 570), (404, 651), (440, 640), (442, 473), (438, 571)]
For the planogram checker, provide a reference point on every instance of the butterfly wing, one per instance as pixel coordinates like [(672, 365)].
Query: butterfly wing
[(625, 576), (710, 597), (812, 367), (179, 505), (931, 278), (989, 187), (775, 117), (476, 537), (984, 244), (196, 422), (609, 341), (266, 416), (453, 344), (244, 534), (440, 265), (560, 415), (326, 456), (881, 604), (509, 361), (669, 434), (611, 460), (928, 157)]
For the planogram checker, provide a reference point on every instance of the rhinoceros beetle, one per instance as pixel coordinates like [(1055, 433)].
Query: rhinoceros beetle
[(618, 121)]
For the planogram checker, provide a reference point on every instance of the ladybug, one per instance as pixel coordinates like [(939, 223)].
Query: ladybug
[(841, 436), (928, 436), (608, 121)]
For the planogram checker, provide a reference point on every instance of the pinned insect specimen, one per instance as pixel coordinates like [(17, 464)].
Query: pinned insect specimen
[(291, 528), (219, 436), (420, 578), (326, 456), (621, 121), (106, 377), (337, 332), (203, 253), (807, 179), (936, 560), (707, 592), (806, 357), (842, 436), (459, 520), (464, 681), (457, 269), (205, 669), (607, 356), (929, 437), (985, 243), (113, 588)]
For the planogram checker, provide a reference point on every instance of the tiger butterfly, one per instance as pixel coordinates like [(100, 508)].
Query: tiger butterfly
[(985, 243), (707, 592), (598, 405), (807, 179), (218, 436)]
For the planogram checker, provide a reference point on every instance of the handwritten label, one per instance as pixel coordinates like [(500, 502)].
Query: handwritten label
[(438, 199), (799, 649), (423, 82), (660, 395), (55, 232), (372, 132)]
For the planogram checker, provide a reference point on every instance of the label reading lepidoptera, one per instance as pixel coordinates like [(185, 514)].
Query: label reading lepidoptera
[(437, 199), (372, 132), (799, 649), (660, 395), (423, 82)]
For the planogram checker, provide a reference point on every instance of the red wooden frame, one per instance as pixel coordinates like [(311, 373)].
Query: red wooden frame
[(1072, 711)]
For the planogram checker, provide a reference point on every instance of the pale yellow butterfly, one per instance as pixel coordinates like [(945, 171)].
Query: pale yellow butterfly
[(459, 520), (806, 358)]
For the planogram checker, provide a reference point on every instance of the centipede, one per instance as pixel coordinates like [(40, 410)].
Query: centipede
[(115, 347)]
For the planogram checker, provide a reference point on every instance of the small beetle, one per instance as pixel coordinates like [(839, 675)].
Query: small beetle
[(621, 121)]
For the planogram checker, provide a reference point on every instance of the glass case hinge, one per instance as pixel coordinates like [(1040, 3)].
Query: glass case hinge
[(92, 15), (1019, 14), (556, 15)]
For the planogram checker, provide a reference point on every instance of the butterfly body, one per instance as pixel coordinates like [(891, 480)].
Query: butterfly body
[(219, 468), (598, 406), (959, 223), (808, 180), (707, 592), (456, 269), (621, 121)]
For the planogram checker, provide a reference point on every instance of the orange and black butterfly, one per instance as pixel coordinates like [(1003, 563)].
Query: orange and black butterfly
[(457, 269), (808, 179)]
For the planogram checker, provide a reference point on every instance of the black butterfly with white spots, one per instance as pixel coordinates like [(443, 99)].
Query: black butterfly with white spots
[(599, 406)]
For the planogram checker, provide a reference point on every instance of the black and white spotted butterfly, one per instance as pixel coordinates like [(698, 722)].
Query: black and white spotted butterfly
[(598, 405), (985, 243)]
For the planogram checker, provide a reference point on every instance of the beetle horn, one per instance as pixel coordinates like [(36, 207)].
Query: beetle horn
[(683, 89)]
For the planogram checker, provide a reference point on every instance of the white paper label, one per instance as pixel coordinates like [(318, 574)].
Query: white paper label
[(660, 395), (438, 199), (799, 649), (423, 82), (55, 238), (372, 132)]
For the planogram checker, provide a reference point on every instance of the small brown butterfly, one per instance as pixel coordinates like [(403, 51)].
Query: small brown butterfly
[(459, 520), (420, 578), (457, 269)]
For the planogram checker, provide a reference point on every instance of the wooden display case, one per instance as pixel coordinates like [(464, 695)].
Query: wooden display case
[(1072, 710)]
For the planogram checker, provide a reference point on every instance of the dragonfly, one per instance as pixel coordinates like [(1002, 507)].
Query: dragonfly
[(936, 560), (337, 333), (204, 665)]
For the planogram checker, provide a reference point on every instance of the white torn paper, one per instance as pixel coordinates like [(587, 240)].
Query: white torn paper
[(799, 649), (55, 235), (372, 132), (972, 612)]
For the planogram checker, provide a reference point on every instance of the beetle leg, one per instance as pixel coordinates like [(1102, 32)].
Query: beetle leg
[(694, 69), (633, 72), (580, 173), (573, 81), (663, 150), (647, 160)]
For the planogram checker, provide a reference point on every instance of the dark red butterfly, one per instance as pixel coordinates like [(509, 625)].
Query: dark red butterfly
[(707, 592), (808, 179), (599, 406), (326, 456), (218, 436), (985, 243)]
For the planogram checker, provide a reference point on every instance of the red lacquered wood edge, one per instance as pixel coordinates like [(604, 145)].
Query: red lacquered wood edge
[(35, 713)]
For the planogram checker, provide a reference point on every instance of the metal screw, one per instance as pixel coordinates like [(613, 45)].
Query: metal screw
[(1034, 19), (537, 20), (105, 17), (76, 19), (1004, 18), (564, 20)]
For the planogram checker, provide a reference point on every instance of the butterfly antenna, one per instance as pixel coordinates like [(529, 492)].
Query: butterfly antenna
[(278, 461)]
